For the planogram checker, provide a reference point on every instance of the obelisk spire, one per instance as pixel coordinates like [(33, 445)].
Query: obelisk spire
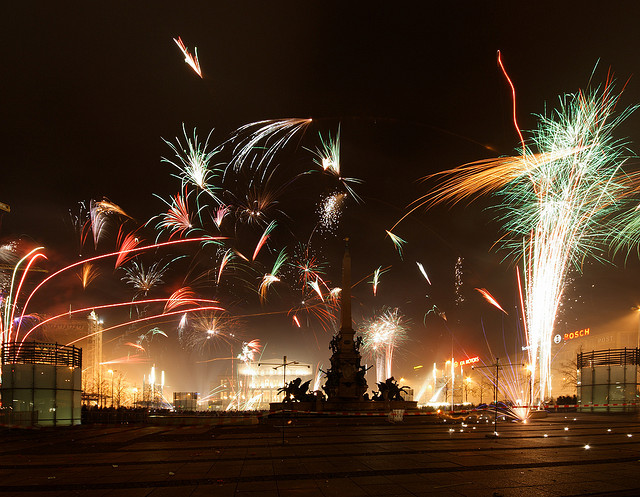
[(345, 295)]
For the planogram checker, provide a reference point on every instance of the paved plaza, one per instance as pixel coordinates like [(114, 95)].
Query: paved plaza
[(330, 457)]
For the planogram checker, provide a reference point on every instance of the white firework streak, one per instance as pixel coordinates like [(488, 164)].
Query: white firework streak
[(268, 136), (191, 60)]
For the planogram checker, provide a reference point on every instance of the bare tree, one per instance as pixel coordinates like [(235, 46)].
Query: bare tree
[(569, 371)]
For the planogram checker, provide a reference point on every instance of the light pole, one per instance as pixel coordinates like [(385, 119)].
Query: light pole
[(446, 386)]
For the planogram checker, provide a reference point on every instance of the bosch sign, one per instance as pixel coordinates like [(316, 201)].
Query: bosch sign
[(577, 334)]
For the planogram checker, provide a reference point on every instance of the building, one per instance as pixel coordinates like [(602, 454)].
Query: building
[(88, 329), (567, 346), (185, 401), (41, 384), (256, 384), (608, 380)]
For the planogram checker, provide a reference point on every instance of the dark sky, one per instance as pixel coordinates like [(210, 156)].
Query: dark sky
[(90, 89)]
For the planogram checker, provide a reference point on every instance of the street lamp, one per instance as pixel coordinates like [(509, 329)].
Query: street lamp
[(446, 386)]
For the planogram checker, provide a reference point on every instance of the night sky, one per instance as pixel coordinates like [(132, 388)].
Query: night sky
[(90, 90)]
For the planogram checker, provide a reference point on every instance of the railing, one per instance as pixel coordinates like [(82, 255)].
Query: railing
[(41, 353), (621, 357)]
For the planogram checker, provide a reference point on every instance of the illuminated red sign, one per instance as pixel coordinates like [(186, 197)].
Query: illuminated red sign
[(577, 334), (471, 360)]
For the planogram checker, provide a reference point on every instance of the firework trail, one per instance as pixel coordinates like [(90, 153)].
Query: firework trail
[(8, 321), (196, 303), (125, 243), (226, 258), (177, 220), (191, 60), (397, 242), (268, 136), (271, 278), (424, 273), (381, 336), (220, 213), (106, 256), (556, 203), (182, 296), (87, 274), (263, 239), (328, 157), (316, 288), (489, 298), (376, 279), (99, 213)]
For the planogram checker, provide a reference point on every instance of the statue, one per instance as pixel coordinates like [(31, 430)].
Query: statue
[(294, 391), (389, 390)]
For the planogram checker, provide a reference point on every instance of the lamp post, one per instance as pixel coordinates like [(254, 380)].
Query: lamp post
[(446, 386)]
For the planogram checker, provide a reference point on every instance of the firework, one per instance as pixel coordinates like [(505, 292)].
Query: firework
[(177, 220), (220, 213), (309, 268), (381, 336), (268, 136), (144, 279), (191, 60), (328, 157), (88, 273), (9, 307), (316, 288), (99, 213), (263, 239), (330, 211), (271, 278), (193, 160), (376, 279), (125, 244), (556, 201), (424, 273), (181, 297), (397, 242), (226, 258), (489, 298), (211, 330), (249, 349)]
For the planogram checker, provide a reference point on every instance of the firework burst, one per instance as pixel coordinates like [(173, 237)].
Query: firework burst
[(381, 336), (193, 161)]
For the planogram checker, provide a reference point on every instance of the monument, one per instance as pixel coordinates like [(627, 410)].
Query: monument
[(346, 384)]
